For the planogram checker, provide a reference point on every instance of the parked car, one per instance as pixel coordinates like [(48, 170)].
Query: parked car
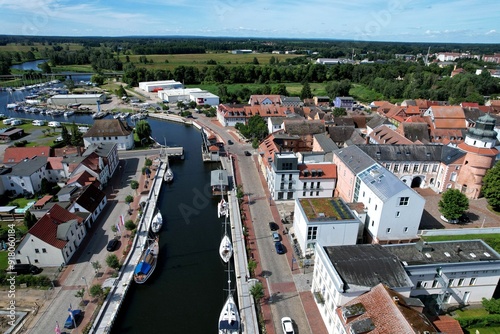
[(7, 121), (276, 236), (463, 219), (247, 153), (72, 319), (25, 268), (287, 325), (273, 226), (112, 245), (54, 124), (280, 249)]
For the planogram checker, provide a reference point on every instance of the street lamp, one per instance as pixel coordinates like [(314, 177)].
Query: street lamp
[(85, 280)]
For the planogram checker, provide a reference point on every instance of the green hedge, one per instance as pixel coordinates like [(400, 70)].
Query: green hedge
[(483, 321), (29, 280)]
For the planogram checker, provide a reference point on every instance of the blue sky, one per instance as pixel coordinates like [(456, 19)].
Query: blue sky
[(456, 21)]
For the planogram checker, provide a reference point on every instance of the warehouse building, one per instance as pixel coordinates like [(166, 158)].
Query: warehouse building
[(175, 95), (154, 86), (65, 99)]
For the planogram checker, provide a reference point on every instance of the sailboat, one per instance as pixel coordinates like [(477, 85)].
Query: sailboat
[(147, 262), (229, 319), (169, 174), (226, 246), (222, 208), (157, 222)]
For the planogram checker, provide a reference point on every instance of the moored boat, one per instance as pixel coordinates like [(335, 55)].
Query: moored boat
[(169, 175), (157, 222), (226, 248), (147, 262), (229, 319), (222, 208)]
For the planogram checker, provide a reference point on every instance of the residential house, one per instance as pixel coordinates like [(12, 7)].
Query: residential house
[(25, 177), (447, 124), (14, 155), (110, 131), (275, 124), (381, 311), (394, 209), (316, 180), (83, 179), (321, 143), (326, 221), (449, 273), (282, 175), (89, 200), (384, 134), (345, 102), (53, 240)]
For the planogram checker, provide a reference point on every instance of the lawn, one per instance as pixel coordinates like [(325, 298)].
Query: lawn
[(293, 89), (16, 47), (20, 202), (493, 240), (200, 60), (477, 313), (364, 94), (3, 260)]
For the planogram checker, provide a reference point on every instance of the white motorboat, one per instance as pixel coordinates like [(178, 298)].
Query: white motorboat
[(147, 262), (169, 175), (157, 222), (68, 113), (222, 208)]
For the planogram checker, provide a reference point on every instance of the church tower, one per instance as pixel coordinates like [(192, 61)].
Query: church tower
[(479, 145)]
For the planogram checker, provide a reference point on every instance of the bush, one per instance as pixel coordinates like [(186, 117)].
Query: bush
[(112, 261), (129, 225), (482, 321)]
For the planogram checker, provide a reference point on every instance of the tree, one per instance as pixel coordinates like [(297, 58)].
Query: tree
[(97, 265), (134, 184), (80, 293), (491, 305), (148, 162), (252, 265), (129, 199), (70, 84), (45, 67), (453, 204), (29, 219), (76, 136), (130, 225), (257, 291), (491, 186), (96, 290), (143, 130), (255, 61), (98, 79), (339, 112), (66, 136), (112, 262), (306, 93), (120, 92)]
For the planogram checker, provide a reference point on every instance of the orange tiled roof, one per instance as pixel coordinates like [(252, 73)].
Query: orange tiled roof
[(479, 150), (449, 123), (258, 99), (412, 110), (45, 228), (65, 151), (448, 325), (55, 163), (329, 171), (448, 112), (84, 178), (42, 201), (13, 155), (385, 135)]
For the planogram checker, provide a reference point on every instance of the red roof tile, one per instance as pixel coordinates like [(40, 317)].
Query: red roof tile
[(45, 228), (448, 112), (447, 325), (450, 123), (13, 155), (329, 171)]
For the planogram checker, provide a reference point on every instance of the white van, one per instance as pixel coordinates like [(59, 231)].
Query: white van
[(16, 122), (7, 121), (54, 124), (38, 122)]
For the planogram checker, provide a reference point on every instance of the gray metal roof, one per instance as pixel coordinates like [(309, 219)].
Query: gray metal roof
[(101, 149), (219, 177), (383, 183), (421, 153), (366, 266), (326, 144), (354, 158), (277, 120), (443, 252), (28, 167), (67, 190), (377, 120)]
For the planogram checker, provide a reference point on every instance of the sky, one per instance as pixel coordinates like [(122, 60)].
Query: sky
[(437, 21)]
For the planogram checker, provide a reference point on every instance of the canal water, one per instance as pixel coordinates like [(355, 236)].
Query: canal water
[(186, 292), (29, 65)]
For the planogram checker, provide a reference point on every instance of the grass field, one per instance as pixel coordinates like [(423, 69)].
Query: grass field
[(16, 47), (292, 88), (364, 94), (200, 60), (477, 313)]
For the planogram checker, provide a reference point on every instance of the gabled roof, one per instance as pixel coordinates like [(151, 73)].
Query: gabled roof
[(326, 144), (447, 324), (340, 134), (45, 228), (303, 127), (385, 135), (388, 312), (419, 153), (55, 163), (259, 99), (28, 167), (376, 121), (83, 179), (415, 131), (108, 128), (447, 112), (367, 265), (13, 155), (328, 171), (354, 158), (101, 149), (90, 197)]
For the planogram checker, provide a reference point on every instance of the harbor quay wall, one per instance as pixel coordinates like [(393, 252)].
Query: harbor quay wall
[(113, 302)]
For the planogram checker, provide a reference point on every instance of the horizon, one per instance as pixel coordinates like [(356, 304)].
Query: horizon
[(398, 21)]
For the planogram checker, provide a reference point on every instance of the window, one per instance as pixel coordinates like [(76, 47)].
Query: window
[(450, 282), (36, 260), (44, 250), (398, 214), (303, 193), (472, 281), (37, 250), (435, 283), (406, 168), (425, 168), (419, 284), (305, 185), (405, 229), (434, 168), (311, 232), (415, 168), (376, 207), (403, 201), (373, 222), (453, 176), (396, 168), (388, 230), (461, 282)]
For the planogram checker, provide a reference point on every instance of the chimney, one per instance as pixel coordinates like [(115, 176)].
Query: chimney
[(395, 299)]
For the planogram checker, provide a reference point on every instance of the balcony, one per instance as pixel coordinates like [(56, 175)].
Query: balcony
[(319, 297)]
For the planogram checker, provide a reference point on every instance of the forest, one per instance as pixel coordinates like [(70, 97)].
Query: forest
[(394, 78)]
